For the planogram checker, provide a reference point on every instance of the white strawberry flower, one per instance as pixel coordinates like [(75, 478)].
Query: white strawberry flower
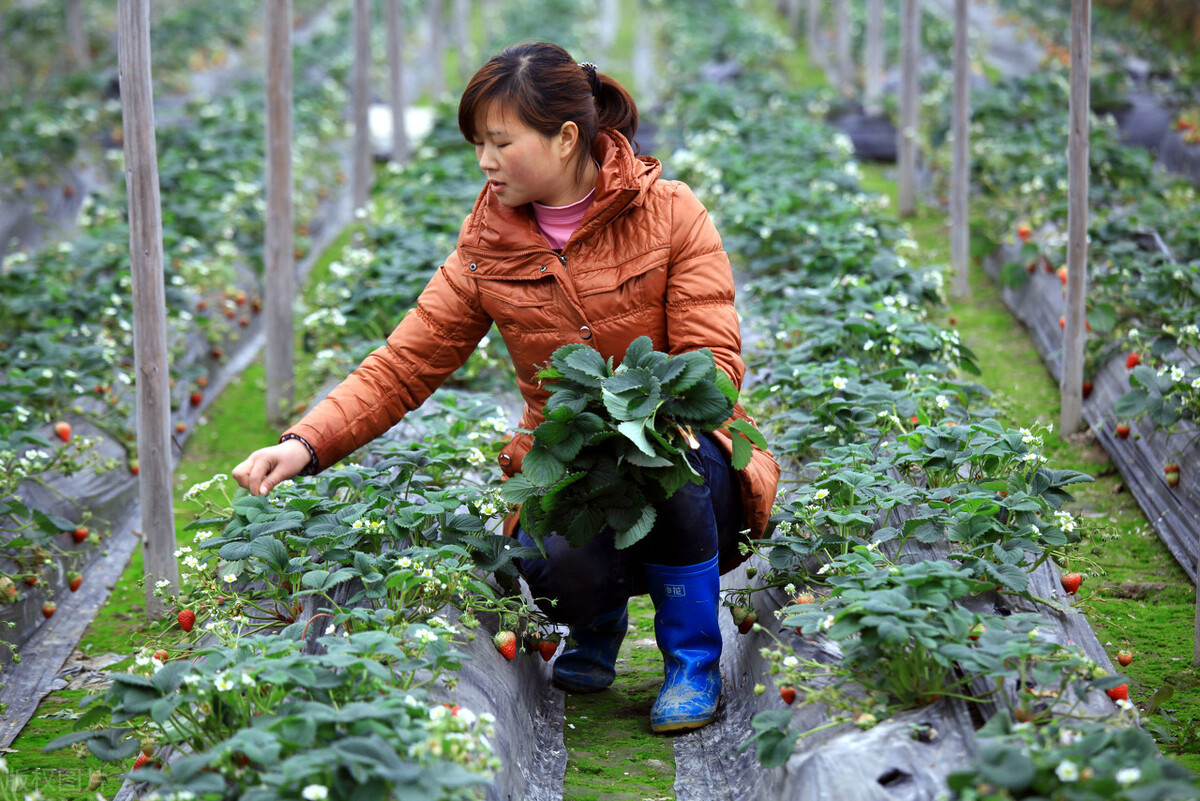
[(315, 792), (1127, 776), (1067, 771)]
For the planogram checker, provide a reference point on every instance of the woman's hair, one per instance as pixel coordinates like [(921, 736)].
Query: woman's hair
[(544, 87)]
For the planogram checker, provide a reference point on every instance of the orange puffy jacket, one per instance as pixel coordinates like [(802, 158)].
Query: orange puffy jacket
[(646, 259)]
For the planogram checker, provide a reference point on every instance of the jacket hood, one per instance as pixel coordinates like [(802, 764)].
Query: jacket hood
[(624, 179)]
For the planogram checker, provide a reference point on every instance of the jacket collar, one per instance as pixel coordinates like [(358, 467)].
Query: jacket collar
[(495, 232)]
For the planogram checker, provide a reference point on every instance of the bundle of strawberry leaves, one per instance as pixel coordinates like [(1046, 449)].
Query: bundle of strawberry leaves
[(614, 441)]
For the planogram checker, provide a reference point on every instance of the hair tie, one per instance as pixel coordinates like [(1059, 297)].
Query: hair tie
[(593, 77)]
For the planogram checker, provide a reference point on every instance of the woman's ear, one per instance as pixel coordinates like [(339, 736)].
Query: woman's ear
[(568, 137)]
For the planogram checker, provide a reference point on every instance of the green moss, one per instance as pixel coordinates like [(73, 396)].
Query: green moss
[(612, 752), (60, 774)]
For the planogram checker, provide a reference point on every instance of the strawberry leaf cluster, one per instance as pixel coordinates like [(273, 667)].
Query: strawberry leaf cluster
[(614, 440)]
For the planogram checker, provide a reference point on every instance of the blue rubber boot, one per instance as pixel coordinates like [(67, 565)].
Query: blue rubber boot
[(590, 665), (685, 625)]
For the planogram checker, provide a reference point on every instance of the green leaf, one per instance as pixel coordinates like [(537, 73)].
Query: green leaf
[(518, 489), (637, 352), (1131, 404), (727, 387), (635, 432), (698, 364), (541, 468), (585, 366), (271, 551), (1102, 318), (635, 531)]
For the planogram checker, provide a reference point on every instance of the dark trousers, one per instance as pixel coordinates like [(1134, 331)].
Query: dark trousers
[(693, 525)]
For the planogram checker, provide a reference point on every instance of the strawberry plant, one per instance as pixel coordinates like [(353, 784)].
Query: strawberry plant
[(614, 439), (1068, 759)]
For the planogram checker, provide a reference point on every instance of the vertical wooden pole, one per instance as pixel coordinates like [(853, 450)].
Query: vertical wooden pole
[(437, 49), (873, 60), (960, 179), (812, 33), (395, 33), (910, 32), (1077, 217), (609, 20), (845, 64), (792, 12), (462, 40), (644, 55), (149, 301), (279, 256), (77, 55), (360, 188)]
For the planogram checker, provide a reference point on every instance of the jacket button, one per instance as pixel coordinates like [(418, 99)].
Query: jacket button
[(585, 332), (504, 458), (542, 269), (473, 266)]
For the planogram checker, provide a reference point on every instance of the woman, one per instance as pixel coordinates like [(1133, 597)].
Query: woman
[(574, 238)]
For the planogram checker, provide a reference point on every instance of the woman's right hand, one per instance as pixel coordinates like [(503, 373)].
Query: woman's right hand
[(267, 467)]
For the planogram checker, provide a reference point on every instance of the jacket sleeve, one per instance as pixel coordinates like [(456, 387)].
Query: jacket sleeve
[(432, 341), (700, 312)]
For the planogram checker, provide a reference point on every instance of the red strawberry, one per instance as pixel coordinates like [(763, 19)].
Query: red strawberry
[(749, 621), (1062, 274), (1132, 360), (63, 429), (180, 427), (953, 321), (1024, 231), (217, 354), (143, 761), (1124, 658), (788, 694), (187, 619), (1118, 693), (1173, 478), (1087, 389), (1071, 582), (202, 381), (1173, 467), (547, 648), (240, 298), (256, 304), (976, 630), (506, 644), (31, 580), (48, 609), (197, 398), (161, 655), (1062, 322), (134, 467), (805, 598), (1123, 430), (202, 305), (74, 580)]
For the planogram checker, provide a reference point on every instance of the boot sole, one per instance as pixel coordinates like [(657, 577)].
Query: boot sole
[(680, 725), (580, 689)]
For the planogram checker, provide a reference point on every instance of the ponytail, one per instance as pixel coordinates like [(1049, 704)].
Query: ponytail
[(616, 108)]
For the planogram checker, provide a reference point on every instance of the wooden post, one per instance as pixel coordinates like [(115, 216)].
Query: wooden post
[(960, 179), (1077, 217), (644, 55), (608, 20), (906, 146), (437, 50), (149, 302), (812, 34), (279, 256), (845, 64), (360, 189), (462, 40), (792, 13), (873, 60), (395, 33), (77, 53)]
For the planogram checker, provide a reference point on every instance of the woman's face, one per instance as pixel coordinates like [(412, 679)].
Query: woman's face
[(522, 165)]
